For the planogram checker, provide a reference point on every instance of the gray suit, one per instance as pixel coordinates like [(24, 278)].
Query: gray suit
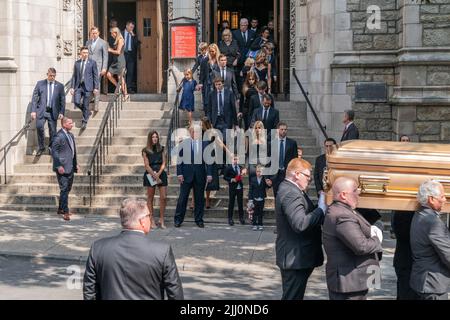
[(131, 266), (99, 54), (350, 251), (298, 245), (430, 246)]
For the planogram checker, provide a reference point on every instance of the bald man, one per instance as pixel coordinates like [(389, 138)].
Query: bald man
[(299, 245), (350, 244)]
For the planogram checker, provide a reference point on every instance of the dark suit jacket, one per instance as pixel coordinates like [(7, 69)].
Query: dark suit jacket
[(350, 249), (135, 43), (39, 100), (62, 153), (258, 43), (131, 266), (430, 245), (255, 103), (229, 81), (229, 108), (190, 170), (290, 150), (257, 190), (319, 167), (299, 243), (351, 133), (243, 46), (91, 81), (229, 174), (272, 119), (202, 63), (401, 225)]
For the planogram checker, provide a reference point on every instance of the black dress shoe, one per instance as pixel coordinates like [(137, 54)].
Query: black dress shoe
[(231, 222), (200, 225), (83, 126), (177, 225), (40, 152), (242, 221)]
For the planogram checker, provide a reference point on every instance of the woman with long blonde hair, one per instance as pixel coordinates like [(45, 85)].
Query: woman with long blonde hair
[(118, 62), (213, 63)]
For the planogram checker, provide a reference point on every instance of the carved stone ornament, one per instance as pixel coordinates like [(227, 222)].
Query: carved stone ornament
[(58, 47), (170, 9), (302, 2), (303, 45), (68, 47), (292, 32), (67, 5), (198, 17), (79, 23)]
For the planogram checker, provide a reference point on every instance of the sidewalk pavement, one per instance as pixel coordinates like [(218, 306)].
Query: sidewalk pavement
[(217, 262)]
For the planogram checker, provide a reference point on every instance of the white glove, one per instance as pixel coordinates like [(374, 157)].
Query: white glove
[(376, 232), (321, 204)]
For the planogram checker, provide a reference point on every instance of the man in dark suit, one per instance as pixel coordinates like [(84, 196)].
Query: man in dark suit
[(228, 77), (222, 108), (48, 104), (192, 173), (430, 245), (85, 81), (64, 154), (131, 266), (351, 245), (321, 164), (286, 151), (131, 51), (298, 246), (269, 116), (233, 175), (254, 24), (256, 100), (350, 131), (244, 38)]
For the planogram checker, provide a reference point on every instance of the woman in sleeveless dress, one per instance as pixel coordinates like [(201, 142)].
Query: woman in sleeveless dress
[(118, 64)]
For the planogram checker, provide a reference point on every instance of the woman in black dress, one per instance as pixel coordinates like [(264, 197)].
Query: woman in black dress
[(229, 48), (155, 176)]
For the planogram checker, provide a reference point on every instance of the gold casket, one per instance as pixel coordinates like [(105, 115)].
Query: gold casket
[(389, 173)]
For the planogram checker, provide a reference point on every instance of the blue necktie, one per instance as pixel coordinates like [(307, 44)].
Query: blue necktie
[(220, 103), (281, 163), (127, 42)]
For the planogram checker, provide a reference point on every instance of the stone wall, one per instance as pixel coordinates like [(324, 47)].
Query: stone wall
[(435, 20)]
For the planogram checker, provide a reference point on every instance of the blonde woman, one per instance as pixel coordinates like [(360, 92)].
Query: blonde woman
[(213, 63), (229, 48), (258, 144), (118, 62)]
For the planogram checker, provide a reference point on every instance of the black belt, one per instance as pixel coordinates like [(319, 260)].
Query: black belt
[(48, 109)]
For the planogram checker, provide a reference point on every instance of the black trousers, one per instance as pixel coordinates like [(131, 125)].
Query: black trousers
[(404, 291), (131, 60), (65, 182), (258, 213), (40, 125), (294, 283), (358, 295), (277, 181), (233, 193), (82, 98), (199, 201), (433, 296)]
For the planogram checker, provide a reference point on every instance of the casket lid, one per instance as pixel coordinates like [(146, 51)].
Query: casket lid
[(391, 153)]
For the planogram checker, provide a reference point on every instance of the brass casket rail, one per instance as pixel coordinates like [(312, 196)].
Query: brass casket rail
[(389, 173)]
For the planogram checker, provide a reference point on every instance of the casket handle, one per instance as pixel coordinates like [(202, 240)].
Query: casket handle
[(373, 184)]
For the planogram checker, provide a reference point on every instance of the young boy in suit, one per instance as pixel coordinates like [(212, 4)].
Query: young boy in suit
[(233, 175), (257, 194)]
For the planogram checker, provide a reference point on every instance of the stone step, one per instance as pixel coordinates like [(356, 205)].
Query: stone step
[(114, 189)]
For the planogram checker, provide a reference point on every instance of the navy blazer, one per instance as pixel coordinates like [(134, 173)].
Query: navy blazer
[(202, 63), (257, 190), (91, 81), (39, 100), (229, 108), (62, 153), (290, 150), (243, 46), (189, 171), (351, 133), (229, 174), (272, 119)]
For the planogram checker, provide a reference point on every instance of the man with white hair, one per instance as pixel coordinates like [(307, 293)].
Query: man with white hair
[(351, 244), (430, 245), (131, 266)]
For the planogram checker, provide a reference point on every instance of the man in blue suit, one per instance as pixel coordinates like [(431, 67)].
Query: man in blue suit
[(194, 173), (222, 108), (64, 153), (48, 103), (84, 83)]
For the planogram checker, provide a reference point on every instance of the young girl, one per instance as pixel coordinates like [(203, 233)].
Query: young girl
[(188, 85)]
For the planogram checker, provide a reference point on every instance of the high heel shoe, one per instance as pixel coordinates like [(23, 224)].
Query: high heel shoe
[(162, 225), (126, 98)]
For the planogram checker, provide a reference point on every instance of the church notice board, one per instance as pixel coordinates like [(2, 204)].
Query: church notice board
[(183, 41)]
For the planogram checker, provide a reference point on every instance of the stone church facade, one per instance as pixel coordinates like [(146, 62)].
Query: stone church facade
[(388, 60)]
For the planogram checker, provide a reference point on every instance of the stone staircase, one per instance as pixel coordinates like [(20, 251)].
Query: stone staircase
[(33, 186)]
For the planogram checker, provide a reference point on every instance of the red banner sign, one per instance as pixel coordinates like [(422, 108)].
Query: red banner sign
[(184, 42)]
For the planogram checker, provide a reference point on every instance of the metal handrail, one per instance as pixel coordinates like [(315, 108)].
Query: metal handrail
[(5, 149), (308, 102), (106, 132), (174, 122)]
